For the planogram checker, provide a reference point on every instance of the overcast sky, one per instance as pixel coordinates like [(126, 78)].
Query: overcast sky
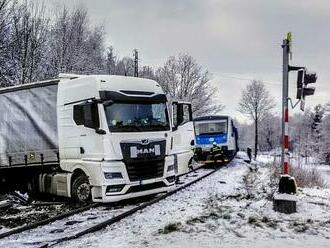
[(235, 40)]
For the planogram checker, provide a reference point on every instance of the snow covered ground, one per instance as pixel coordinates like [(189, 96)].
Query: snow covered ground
[(231, 208)]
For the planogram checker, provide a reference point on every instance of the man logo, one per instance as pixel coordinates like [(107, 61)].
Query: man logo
[(145, 142), (145, 151), (138, 152)]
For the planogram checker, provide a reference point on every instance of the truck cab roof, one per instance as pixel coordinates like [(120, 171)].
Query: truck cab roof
[(116, 83)]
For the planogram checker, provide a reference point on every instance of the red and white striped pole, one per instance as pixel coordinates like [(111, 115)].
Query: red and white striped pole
[(286, 142), (285, 107)]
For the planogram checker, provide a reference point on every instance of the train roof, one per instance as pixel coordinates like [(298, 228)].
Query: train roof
[(211, 118)]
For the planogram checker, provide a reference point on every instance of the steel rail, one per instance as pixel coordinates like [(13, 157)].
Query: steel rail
[(128, 213)]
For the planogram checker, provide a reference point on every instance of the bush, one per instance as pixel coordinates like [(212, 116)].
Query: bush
[(307, 176)]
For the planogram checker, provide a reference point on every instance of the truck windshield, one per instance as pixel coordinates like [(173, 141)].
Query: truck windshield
[(211, 128), (137, 117)]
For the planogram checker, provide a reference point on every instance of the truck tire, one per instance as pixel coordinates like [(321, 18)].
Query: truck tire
[(81, 189)]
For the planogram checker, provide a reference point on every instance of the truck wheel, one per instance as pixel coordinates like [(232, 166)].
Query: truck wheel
[(81, 189)]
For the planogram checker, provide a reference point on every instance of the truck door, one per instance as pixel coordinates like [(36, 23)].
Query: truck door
[(183, 135), (91, 141)]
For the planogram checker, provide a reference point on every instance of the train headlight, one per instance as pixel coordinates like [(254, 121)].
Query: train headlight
[(113, 175)]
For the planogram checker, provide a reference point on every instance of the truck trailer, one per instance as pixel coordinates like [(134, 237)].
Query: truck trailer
[(97, 137)]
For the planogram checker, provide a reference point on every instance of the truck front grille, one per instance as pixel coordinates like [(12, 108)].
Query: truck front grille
[(143, 170)]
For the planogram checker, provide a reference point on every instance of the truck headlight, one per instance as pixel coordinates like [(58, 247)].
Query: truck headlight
[(112, 175), (170, 161)]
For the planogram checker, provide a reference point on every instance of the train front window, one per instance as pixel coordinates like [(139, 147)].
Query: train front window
[(219, 127)]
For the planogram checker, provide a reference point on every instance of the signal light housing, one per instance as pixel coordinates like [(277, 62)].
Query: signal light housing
[(303, 79), (310, 77), (300, 82)]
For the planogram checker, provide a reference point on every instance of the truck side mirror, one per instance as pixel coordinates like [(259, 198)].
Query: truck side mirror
[(87, 114)]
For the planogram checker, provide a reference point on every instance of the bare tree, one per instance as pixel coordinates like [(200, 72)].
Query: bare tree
[(111, 61), (5, 18), (325, 136), (255, 102), (147, 72), (75, 46), (27, 45), (183, 78), (125, 67), (270, 137)]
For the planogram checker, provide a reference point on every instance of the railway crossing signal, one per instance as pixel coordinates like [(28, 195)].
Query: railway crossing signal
[(287, 184)]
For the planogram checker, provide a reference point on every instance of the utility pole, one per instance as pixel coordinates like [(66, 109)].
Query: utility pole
[(136, 62)]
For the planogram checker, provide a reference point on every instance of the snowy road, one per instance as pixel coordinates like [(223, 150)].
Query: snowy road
[(227, 209)]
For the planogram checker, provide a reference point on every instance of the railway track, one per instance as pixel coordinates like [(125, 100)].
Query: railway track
[(82, 221)]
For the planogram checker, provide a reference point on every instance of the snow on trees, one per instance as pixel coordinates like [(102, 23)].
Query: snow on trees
[(34, 47), (255, 102), (183, 78), (28, 39), (23, 32), (75, 46), (269, 135), (325, 135), (5, 15)]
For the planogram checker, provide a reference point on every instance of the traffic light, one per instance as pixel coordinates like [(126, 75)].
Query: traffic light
[(300, 82), (303, 79)]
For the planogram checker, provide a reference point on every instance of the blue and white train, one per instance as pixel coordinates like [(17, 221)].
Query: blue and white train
[(216, 131)]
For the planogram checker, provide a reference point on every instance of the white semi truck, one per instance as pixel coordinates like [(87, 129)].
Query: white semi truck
[(102, 138)]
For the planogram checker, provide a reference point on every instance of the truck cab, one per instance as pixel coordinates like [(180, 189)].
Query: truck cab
[(117, 138)]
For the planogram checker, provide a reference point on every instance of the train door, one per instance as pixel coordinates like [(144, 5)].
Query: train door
[(183, 135)]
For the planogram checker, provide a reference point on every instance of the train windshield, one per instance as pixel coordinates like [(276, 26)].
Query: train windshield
[(137, 117), (219, 127)]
